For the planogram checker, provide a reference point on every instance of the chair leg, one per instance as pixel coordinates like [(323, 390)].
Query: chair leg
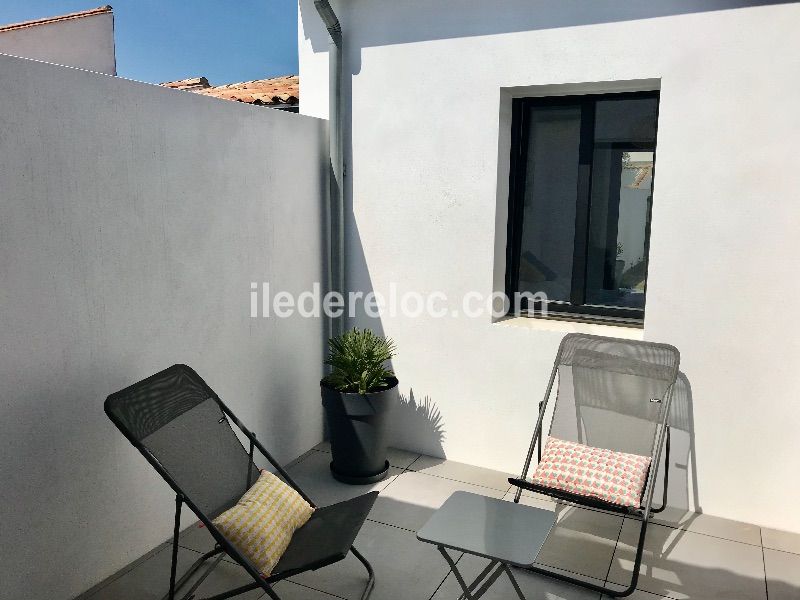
[(244, 589), (174, 583), (666, 476), (637, 564), (371, 582), (193, 569), (176, 532), (190, 592)]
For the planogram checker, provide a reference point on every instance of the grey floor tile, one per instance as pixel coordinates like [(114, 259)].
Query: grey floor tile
[(405, 568), (401, 458), (299, 459), (150, 580), (783, 574), (728, 529), (780, 540), (396, 457), (710, 525), (638, 595), (126, 569), (457, 471), (314, 477), (196, 537), (534, 586), (412, 497), (288, 590), (582, 541), (686, 565), (535, 500)]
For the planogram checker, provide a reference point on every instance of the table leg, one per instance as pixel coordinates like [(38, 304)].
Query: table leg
[(480, 577), (467, 591), (514, 582), (489, 582), (485, 579)]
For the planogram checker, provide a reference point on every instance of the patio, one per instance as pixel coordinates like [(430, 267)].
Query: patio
[(687, 555), (448, 154)]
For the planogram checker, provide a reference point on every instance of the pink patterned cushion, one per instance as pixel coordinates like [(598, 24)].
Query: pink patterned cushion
[(613, 477)]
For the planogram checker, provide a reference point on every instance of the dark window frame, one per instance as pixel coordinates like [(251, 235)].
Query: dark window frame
[(576, 309)]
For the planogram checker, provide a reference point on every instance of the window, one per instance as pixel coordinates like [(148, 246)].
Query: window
[(579, 204)]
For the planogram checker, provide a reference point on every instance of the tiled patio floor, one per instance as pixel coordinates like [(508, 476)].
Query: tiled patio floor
[(687, 556)]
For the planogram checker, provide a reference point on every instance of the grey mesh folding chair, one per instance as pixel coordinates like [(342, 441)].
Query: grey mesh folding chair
[(613, 394), (184, 431)]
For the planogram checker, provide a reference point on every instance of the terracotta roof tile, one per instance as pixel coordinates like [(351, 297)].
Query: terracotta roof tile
[(193, 84), (76, 15), (263, 92)]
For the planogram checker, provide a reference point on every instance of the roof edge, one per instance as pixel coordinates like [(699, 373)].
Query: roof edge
[(100, 10), (281, 91)]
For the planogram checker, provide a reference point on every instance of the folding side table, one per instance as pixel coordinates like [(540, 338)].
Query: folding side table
[(506, 533)]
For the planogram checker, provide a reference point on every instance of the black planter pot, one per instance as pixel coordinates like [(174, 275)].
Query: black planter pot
[(358, 424)]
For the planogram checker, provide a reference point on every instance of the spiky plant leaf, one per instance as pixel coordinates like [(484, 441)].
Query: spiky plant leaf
[(357, 358)]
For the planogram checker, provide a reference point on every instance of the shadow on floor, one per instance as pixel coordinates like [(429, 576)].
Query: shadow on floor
[(596, 546)]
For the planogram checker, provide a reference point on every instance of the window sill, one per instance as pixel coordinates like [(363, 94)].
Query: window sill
[(575, 324)]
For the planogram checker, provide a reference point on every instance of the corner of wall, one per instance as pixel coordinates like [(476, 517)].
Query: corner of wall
[(312, 50)]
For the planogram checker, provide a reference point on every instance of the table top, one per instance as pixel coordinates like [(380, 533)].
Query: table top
[(497, 529)]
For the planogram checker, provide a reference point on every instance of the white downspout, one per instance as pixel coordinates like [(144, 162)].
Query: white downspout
[(336, 248)]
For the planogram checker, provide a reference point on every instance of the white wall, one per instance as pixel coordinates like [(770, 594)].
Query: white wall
[(86, 43), (132, 220), (430, 85)]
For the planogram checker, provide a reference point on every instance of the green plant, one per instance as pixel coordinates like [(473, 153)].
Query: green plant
[(357, 358)]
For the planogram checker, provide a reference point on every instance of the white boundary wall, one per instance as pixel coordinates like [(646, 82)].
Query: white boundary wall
[(132, 220)]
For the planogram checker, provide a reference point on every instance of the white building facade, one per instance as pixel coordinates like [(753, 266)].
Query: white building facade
[(429, 91), (83, 39)]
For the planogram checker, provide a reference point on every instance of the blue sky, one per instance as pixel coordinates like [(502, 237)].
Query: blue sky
[(163, 40)]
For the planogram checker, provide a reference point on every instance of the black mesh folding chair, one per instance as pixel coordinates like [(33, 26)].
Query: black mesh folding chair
[(184, 431), (613, 394)]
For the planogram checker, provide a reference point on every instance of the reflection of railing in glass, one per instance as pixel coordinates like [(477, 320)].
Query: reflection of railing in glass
[(620, 201), (633, 274), (642, 172)]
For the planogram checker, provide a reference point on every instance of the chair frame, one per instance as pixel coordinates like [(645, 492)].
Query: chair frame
[(223, 546), (642, 514)]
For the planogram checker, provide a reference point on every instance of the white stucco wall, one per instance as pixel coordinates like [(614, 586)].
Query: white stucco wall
[(132, 220), (429, 85), (86, 43)]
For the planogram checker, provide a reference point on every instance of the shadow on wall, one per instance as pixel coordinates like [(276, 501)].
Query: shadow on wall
[(410, 22), (683, 490), (416, 425), (683, 495), (421, 425), (416, 20)]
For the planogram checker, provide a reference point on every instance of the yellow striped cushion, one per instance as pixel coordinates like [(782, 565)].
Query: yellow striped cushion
[(261, 524)]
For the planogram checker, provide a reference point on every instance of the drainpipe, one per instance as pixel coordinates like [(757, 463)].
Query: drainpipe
[(336, 258)]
